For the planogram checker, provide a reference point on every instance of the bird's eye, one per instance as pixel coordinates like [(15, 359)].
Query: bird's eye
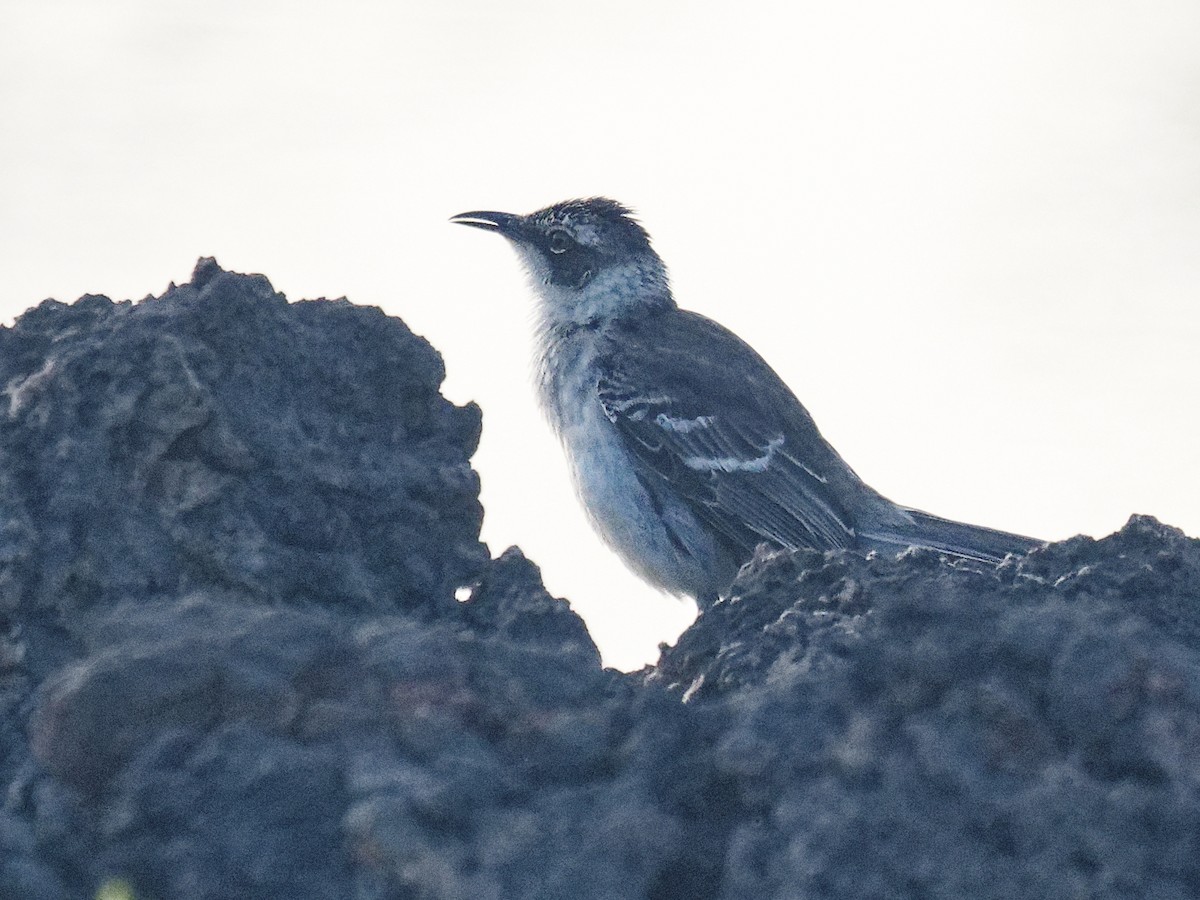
[(560, 242)]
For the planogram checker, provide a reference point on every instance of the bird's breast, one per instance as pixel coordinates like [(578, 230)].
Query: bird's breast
[(648, 526), (602, 472)]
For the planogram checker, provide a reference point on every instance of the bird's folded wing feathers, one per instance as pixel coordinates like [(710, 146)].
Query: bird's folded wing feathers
[(698, 409)]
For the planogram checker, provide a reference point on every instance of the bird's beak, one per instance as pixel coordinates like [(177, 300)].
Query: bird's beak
[(505, 223)]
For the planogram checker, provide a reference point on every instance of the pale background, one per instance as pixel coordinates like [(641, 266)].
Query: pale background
[(967, 234)]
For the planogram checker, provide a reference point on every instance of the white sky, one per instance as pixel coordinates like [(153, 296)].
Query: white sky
[(967, 234)]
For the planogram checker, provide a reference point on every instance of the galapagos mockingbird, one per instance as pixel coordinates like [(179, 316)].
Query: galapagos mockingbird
[(685, 447)]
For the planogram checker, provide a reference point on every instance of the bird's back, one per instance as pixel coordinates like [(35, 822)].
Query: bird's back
[(703, 411)]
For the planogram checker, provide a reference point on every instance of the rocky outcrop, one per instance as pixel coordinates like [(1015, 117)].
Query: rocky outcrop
[(233, 662)]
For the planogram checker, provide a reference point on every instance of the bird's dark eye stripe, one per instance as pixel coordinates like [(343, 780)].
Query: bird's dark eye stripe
[(560, 242)]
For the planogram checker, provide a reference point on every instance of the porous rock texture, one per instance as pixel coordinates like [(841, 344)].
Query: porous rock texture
[(232, 661)]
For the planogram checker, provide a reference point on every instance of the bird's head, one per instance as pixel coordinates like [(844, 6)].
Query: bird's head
[(588, 260)]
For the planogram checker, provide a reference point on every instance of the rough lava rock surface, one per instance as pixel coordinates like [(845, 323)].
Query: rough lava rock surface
[(232, 663)]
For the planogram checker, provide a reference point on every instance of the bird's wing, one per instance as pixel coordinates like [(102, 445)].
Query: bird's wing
[(700, 410)]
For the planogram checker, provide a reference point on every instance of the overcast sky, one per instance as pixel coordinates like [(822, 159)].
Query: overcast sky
[(967, 234)]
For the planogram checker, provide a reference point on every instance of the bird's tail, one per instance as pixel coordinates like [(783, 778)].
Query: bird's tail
[(921, 529)]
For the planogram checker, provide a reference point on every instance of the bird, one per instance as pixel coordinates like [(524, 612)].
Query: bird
[(684, 446)]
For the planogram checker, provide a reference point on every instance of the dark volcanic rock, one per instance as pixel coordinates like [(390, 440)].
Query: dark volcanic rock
[(950, 729), (219, 437), (232, 663)]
